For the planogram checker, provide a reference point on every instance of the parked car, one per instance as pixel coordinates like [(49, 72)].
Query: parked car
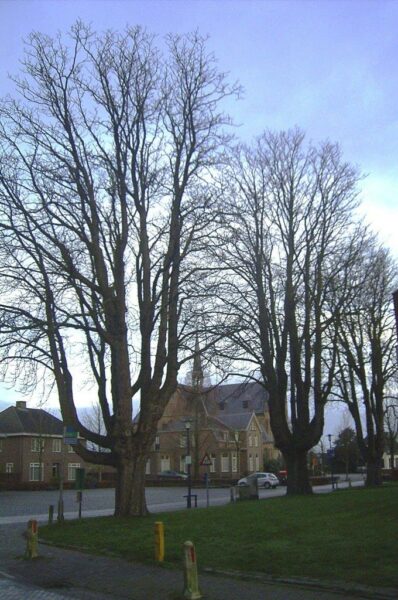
[(282, 476), (266, 480), (172, 475)]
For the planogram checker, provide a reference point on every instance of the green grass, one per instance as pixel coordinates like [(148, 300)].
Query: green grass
[(348, 536)]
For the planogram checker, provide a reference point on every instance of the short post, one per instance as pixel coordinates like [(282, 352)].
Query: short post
[(191, 585), (349, 482), (32, 539), (159, 541), (51, 514)]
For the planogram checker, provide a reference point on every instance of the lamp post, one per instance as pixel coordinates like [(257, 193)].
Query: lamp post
[(331, 458), (188, 461)]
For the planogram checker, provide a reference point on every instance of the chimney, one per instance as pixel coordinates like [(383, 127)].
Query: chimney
[(20, 404)]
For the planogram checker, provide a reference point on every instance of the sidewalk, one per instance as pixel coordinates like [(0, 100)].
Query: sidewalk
[(64, 574)]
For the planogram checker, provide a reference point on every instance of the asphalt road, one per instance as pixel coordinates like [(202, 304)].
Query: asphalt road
[(18, 507)]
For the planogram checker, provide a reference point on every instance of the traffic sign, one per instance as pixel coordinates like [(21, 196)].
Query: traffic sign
[(206, 461)]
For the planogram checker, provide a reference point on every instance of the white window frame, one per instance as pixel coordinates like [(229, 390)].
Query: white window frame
[(234, 462), (57, 445), (70, 449), (250, 440), (213, 463), (35, 475), (148, 466), (165, 462), (37, 444), (183, 464), (72, 471), (251, 463), (9, 467), (55, 469), (224, 462)]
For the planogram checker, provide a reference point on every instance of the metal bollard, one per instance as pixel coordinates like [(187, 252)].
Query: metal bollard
[(159, 541), (191, 585), (50, 514), (31, 539)]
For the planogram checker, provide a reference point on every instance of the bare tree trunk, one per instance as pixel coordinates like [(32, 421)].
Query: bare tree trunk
[(138, 505), (298, 480), (373, 472), (124, 488)]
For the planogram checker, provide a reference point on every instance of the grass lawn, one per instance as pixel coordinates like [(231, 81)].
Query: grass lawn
[(350, 535)]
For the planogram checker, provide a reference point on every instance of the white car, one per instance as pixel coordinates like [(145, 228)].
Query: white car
[(266, 480)]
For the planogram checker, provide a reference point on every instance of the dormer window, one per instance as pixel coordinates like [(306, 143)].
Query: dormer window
[(245, 404)]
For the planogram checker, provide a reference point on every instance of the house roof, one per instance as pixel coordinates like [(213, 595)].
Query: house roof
[(14, 420), (237, 398)]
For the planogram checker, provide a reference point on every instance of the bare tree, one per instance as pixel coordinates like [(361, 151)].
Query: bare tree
[(104, 188), (286, 251), (366, 355)]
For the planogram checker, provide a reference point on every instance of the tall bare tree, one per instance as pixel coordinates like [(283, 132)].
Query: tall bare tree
[(286, 250), (366, 343), (105, 166)]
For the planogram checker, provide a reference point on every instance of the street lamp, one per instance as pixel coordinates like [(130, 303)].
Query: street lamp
[(331, 458), (188, 461)]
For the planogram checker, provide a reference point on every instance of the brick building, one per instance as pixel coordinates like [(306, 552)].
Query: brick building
[(32, 448), (229, 423)]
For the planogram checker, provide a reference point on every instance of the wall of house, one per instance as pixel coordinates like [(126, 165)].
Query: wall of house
[(22, 453)]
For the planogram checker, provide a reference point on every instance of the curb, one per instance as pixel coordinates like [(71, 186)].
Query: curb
[(338, 587)]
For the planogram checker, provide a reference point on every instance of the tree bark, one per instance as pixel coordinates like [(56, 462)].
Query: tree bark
[(373, 472), (298, 480)]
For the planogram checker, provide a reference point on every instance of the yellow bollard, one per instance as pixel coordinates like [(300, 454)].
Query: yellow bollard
[(159, 541), (191, 585), (31, 539)]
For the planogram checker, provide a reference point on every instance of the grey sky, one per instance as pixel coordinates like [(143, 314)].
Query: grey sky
[(329, 67)]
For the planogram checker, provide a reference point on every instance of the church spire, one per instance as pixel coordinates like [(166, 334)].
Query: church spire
[(197, 371)]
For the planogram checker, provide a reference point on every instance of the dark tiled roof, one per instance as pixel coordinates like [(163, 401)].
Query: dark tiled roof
[(238, 421), (237, 398), (29, 420)]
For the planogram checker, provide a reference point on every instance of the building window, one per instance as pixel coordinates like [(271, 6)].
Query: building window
[(148, 467), (183, 465), (72, 471), (250, 441), (71, 449), (245, 404), (255, 440), (253, 426), (37, 446), (226, 436), (55, 470), (165, 462), (213, 463), (183, 440), (224, 463), (257, 463), (234, 463), (57, 445), (1, 445), (9, 467), (36, 472), (251, 463)]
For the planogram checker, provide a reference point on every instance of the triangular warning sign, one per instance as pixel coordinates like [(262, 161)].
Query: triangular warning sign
[(206, 461)]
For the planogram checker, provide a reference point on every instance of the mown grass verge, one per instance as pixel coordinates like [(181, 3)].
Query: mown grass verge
[(348, 536)]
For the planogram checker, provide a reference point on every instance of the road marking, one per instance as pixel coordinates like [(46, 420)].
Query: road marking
[(7, 575)]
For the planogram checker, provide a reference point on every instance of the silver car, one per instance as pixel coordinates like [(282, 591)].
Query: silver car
[(266, 480)]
